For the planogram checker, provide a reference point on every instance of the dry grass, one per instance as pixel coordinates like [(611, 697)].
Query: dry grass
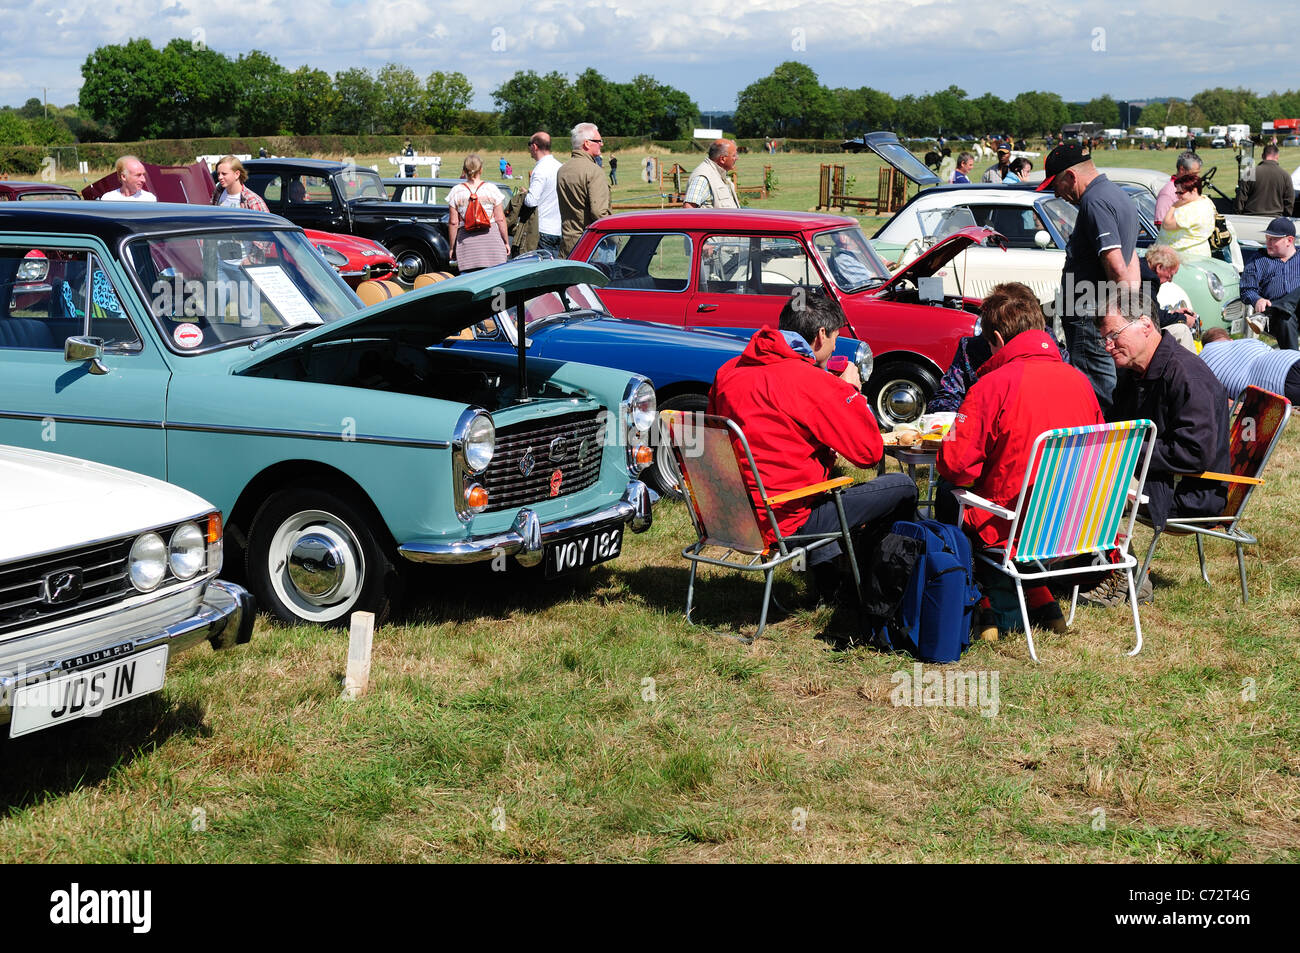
[(510, 721)]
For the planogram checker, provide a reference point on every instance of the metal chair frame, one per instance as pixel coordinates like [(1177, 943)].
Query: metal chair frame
[(1044, 496), (781, 552), (1223, 526)]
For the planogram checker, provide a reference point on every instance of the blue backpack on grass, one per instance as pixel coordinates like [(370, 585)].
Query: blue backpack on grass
[(925, 593)]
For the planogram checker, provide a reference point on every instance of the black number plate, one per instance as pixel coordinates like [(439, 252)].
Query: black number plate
[(582, 551)]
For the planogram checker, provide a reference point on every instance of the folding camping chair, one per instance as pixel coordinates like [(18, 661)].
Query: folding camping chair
[(1079, 496), (1258, 421), (712, 455)]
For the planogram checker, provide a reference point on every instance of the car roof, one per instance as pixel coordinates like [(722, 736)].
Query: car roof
[(712, 218), (320, 165), (35, 186), (113, 221)]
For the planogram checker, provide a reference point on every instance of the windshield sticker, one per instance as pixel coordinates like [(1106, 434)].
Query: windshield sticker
[(187, 335), (283, 295)]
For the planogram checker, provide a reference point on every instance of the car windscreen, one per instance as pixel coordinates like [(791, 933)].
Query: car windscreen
[(551, 305), (849, 258), (1061, 214), (214, 288), (360, 184), (939, 223)]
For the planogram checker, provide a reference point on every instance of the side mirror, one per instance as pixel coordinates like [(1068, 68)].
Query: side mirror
[(78, 349), (1042, 239)]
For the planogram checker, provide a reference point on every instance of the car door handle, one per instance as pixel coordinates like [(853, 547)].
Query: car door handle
[(701, 308)]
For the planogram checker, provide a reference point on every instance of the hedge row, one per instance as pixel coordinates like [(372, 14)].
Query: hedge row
[(26, 160)]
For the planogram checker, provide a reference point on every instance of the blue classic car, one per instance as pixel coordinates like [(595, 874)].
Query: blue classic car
[(215, 349), (575, 325)]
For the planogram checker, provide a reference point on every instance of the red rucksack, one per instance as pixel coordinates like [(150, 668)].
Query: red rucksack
[(476, 217)]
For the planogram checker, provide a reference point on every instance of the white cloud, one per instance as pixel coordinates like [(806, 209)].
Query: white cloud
[(712, 48)]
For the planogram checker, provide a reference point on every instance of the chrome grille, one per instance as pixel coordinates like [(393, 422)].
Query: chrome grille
[(104, 580), (1236, 308), (572, 444), (379, 270)]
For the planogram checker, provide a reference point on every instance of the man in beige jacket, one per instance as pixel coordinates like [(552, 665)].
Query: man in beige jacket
[(710, 184), (580, 186)]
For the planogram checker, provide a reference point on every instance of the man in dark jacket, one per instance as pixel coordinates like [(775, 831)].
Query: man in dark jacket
[(1162, 382), (1272, 192), (798, 417), (1003, 413)]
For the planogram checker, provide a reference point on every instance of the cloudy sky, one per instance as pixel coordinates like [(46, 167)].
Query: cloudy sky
[(710, 48)]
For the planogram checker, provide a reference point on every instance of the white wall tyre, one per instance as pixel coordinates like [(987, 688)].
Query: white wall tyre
[(313, 558)]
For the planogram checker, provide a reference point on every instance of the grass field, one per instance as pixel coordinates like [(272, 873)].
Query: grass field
[(588, 721)]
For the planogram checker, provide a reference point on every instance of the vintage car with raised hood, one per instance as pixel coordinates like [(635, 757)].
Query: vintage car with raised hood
[(214, 348), (574, 324), (104, 576), (1037, 226), (707, 268)]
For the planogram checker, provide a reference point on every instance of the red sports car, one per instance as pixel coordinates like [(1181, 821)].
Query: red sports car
[(356, 259), (737, 269)]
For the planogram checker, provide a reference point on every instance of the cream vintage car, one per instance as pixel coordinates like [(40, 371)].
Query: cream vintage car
[(104, 576), (1037, 226)]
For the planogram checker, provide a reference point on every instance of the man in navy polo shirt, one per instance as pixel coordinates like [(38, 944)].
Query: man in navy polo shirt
[(1269, 283), (1100, 255)]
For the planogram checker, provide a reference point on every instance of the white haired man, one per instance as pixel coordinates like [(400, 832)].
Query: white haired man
[(580, 185), (710, 184)]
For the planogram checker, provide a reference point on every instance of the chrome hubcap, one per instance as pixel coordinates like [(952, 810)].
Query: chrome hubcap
[(901, 401), (316, 568)]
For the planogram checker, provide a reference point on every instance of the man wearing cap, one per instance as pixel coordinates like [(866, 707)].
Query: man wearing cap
[(1271, 192), (994, 174), (1270, 282), (1101, 253)]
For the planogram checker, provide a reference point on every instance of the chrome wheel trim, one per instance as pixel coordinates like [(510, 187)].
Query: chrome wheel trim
[(316, 565), (900, 401)]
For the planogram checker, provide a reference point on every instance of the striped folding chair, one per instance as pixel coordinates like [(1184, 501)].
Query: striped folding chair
[(1079, 497), (1257, 424), (708, 453)]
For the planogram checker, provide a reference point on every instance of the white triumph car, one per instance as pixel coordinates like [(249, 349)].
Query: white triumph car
[(104, 576), (1037, 226)]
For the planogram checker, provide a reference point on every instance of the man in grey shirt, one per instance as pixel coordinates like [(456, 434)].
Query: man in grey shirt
[(1100, 256)]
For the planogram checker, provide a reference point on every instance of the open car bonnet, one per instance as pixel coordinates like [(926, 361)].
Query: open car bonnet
[(943, 252), (186, 184), (443, 309), (887, 146)]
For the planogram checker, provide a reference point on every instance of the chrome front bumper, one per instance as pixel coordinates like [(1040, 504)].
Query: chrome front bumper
[(224, 617), (528, 536)]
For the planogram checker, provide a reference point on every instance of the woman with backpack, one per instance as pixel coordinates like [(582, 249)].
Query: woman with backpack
[(476, 221)]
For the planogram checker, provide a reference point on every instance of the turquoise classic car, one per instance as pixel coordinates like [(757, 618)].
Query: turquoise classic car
[(215, 349)]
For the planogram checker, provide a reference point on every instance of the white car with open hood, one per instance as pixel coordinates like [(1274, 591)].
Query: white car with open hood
[(104, 576)]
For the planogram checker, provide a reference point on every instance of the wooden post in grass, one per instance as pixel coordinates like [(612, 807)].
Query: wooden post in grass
[(360, 637)]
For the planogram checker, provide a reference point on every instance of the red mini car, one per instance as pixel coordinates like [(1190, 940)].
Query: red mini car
[(736, 269)]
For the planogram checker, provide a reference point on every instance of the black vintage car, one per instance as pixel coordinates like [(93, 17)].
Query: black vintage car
[(340, 197)]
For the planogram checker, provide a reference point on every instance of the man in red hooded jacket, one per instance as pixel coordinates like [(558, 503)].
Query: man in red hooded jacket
[(1023, 390), (797, 417)]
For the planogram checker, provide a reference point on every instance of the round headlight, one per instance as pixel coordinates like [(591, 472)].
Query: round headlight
[(643, 407), (1216, 285), (148, 562), (332, 255), (865, 360), (187, 551), (480, 443)]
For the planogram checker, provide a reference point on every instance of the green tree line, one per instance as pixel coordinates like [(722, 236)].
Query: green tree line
[(135, 91)]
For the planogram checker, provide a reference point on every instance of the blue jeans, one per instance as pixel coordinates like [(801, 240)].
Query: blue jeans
[(1088, 354), (870, 508), (552, 244)]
